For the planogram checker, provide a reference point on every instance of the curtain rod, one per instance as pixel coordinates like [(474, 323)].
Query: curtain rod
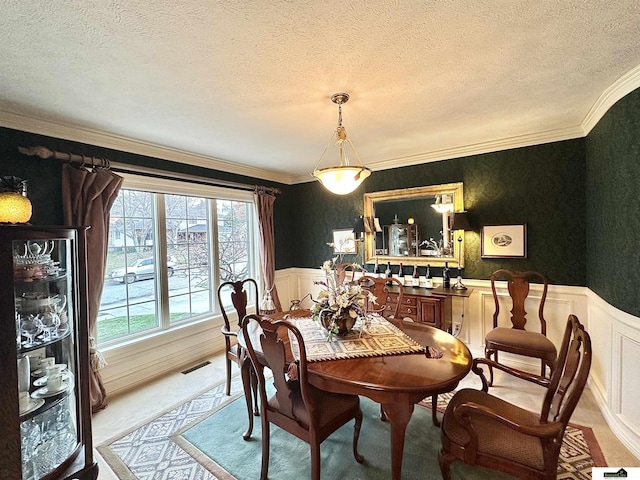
[(104, 163)]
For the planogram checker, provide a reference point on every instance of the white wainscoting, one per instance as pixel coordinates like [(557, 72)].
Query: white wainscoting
[(615, 337)]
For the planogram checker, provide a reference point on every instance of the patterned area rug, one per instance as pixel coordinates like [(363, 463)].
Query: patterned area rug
[(148, 452)]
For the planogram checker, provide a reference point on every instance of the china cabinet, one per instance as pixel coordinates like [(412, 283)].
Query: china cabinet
[(45, 417)]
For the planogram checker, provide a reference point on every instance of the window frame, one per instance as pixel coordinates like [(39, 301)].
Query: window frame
[(163, 186)]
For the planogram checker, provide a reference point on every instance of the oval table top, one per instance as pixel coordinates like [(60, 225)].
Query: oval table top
[(413, 375)]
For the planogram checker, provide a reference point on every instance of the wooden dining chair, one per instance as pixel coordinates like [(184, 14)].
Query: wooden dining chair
[(481, 429), (378, 287), (233, 351), (518, 340), (296, 407)]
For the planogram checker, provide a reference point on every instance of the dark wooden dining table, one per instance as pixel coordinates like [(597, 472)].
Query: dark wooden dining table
[(397, 382)]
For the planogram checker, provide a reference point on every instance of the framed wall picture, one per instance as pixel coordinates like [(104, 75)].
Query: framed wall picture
[(504, 241), (344, 241)]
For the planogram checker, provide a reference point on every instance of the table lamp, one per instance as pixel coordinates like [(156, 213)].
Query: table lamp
[(460, 222)]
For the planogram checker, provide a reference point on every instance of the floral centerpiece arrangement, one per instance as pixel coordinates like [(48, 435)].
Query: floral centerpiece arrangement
[(340, 303)]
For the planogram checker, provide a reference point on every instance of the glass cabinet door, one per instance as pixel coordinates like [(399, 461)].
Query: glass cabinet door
[(403, 240), (44, 300)]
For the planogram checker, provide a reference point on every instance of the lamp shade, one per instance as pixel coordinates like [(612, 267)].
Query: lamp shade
[(460, 221), (342, 179), (358, 226), (15, 207), (443, 204)]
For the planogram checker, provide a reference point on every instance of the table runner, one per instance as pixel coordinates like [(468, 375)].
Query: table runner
[(380, 338)]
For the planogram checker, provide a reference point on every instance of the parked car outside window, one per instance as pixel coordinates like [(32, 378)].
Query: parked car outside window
[(142, 269)]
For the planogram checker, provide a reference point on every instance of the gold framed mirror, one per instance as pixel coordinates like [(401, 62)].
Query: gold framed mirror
[(413, 225)]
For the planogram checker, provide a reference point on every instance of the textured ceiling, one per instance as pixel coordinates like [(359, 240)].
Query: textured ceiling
[(220, 83)]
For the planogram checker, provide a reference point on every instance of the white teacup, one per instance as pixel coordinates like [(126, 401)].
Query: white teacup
[(34, 362), (47, 362), (25, 400), (53, 370), (54, 382)]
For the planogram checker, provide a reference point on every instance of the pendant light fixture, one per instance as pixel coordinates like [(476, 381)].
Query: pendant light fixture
[(343, 178)]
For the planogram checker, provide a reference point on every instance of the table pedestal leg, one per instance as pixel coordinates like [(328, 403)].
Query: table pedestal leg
[(398, 415)]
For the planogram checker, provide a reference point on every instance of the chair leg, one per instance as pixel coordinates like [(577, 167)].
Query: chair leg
[(434, 410), (315, 460), (487, 355), (356, 435), (445, 460), (383, 416), (264, 471), (254, 390), (247, 372), (228, 364)]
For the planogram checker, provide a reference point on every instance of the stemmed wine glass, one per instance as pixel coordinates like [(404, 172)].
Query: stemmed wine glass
[(30, 326), (50, 322)]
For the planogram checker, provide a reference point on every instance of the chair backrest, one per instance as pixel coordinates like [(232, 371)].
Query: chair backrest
[(518, 286), (345, 272), (378, 287), (239, 298), (266, 340), (569, 375)]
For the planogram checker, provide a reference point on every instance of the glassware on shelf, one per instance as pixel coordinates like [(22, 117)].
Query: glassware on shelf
[(24, 373), (50, 322), (30, 438), (34, 262), (30, 327)]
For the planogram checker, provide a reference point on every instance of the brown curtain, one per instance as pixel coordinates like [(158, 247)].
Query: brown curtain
[(87, 197), (264, 207)]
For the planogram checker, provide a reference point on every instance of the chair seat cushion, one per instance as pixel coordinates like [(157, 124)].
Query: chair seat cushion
[(494, 438), (330, 405), (511, 339)]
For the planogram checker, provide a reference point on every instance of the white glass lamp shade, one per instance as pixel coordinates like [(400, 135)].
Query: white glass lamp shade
[(444, 204), (342, 179)]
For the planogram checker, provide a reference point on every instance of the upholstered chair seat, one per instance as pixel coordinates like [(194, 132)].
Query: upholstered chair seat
[(522, 342), (494, 438)]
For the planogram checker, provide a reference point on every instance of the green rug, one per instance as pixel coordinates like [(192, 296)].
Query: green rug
[(216, 443)]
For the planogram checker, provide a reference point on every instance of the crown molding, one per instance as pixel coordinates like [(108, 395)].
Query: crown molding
[(621, 87), (116, 142), (468, 150), (518, 141)]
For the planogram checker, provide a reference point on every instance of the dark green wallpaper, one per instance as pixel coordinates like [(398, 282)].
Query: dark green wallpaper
[(542, 186), (613, 205), (44, 179)]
